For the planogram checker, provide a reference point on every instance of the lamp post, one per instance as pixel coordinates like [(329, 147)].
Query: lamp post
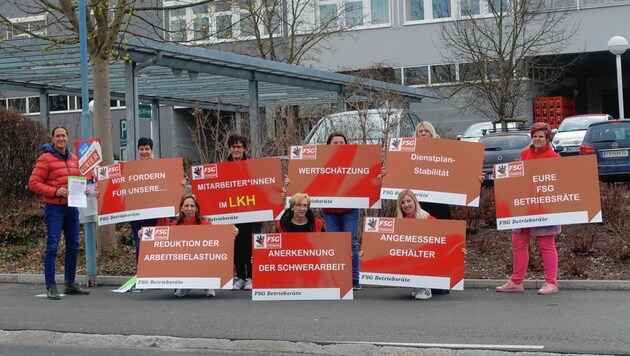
[(617, 46)]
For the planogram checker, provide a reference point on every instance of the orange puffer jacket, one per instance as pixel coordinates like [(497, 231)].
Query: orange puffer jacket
[(51, 172)]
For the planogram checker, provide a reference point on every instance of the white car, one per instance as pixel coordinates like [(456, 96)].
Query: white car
[(365, 126), (474, 132), (571, 132)]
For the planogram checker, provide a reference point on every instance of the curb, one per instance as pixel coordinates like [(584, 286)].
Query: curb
[(606, 285)]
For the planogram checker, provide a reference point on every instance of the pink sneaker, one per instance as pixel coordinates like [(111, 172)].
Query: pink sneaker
[(548, 288), (510, 287)]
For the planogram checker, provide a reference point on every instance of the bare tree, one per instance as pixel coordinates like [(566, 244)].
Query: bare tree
[(506, 55)]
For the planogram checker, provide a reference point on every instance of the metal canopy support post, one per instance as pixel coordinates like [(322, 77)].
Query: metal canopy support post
[(237, 122), (44, 109), (155, 126), (131, 101), (341, 102), (254, 119)]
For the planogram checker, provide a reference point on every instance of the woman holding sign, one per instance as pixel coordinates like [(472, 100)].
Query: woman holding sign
[(407, 206), (243, 241), (540, 148), (190, 214), (344, 220), (299, 217), (440, 211)]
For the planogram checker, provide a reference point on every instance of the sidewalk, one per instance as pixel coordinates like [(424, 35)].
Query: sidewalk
[(468, 283)]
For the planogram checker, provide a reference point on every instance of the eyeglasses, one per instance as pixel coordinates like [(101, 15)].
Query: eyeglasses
[(423, 130), (237, 146)]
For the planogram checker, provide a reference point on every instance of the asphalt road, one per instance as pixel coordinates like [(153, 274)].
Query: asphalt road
[(572, 321)]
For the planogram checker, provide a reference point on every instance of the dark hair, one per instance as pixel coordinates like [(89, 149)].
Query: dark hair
[(145, 141), (335, 134), (235, 138), (52, 133), (180, 217)]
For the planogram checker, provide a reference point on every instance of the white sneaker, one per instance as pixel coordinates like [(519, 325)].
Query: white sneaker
[(414, 291), (180, 293), (239, 284), (423, 293), (248, 284), (210, 293)]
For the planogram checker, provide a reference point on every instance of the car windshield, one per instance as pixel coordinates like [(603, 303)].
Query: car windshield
[(577, 124), (610, 132), (504, 143)]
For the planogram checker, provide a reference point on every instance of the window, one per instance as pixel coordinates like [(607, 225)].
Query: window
[(201, 22), (441, 9), (354, 13), (469, 7), (416, 75), (247, 25), (415, 10), (224, 26), (33, 24), (443, 74), (178, 25), (418, 10), (33, 104), (379, 12), (18, 104), (469, 72), (328, 15), (497, 6), (58, 103)]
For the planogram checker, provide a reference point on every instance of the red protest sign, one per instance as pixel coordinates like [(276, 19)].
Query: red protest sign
[(422, 253), (336, 176), (186, 256), (139, 190), (543, 192), (302, 266), (239, 191), (436, 170)]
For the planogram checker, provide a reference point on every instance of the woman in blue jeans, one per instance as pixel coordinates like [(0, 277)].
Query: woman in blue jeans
[(344, 220)]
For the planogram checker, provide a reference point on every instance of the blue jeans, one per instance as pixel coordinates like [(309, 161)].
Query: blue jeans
[(347, 222), (58, 218)]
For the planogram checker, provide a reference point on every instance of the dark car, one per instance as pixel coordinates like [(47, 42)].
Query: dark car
[(610, 141), (502, 147)]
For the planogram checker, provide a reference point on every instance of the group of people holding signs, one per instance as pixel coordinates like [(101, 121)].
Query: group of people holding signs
[(218, 224)]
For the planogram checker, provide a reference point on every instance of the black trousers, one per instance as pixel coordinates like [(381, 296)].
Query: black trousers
[(243, 249)]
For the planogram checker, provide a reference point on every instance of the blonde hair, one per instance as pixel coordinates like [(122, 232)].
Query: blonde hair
[(427, 125), (420, 214), (297, 197)]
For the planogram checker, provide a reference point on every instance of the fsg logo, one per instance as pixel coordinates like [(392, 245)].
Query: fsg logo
[(509, 170), (154, 233), (263, 241), (205, 171), (404, 144), (111, 171), (379, 225), (304, 152)]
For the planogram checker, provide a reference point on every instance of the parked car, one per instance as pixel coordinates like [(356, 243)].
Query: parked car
[(366, 126), (610, 141), (571, 132), (476, 131), (502, 147)]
